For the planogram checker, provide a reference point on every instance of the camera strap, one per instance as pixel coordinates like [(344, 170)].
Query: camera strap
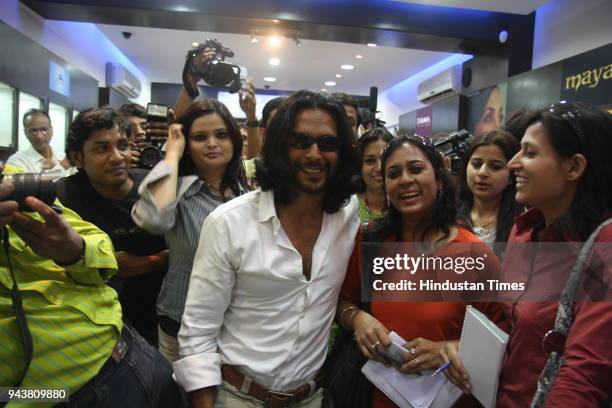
[(22, 322), (190, 68)]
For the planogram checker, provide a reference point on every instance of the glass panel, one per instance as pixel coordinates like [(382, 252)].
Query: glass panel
[(7, 99), (59, 116), (26, 102)]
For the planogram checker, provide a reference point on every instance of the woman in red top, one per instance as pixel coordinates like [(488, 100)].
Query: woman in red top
[(421, 211), (563, 171)]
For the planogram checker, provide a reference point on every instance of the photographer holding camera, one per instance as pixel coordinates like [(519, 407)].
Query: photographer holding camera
[(61, 324), (144, 133), (207, 62)]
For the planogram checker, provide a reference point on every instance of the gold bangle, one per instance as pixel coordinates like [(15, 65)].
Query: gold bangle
[(351, 318), (355, 310)]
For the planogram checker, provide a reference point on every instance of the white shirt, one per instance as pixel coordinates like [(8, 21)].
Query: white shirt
[(31, 161), (249, 304)]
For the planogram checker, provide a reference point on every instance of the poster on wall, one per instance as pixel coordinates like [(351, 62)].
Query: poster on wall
[(587, 77), (424, 121), (487, 109)]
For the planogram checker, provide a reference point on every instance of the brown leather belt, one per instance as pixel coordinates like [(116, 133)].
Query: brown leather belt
[(271, 399)]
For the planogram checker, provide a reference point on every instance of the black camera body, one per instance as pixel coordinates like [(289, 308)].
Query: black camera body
[(216, 72), (455, 146), (152, 153), (39, 185)]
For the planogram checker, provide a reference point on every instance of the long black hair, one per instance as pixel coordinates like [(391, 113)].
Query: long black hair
[(273, 170), (444, 214), (575, 128), (234, 172), (508, 208)]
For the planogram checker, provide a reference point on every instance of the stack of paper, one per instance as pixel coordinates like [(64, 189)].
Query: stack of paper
[(481, 351), (411, 391)]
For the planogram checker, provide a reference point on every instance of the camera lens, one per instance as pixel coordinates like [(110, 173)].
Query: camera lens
[(150, 156), (31, 184)]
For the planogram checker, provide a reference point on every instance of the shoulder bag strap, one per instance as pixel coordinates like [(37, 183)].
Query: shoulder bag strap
[(565, 318)]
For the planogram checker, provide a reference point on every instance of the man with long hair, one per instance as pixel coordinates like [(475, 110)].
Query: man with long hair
[(264, 283)]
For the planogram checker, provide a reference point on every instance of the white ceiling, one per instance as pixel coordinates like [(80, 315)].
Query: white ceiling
[(503, 6), (160, 55)]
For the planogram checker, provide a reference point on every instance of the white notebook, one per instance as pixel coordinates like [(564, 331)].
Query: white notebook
[(481, 350), (411, 391)]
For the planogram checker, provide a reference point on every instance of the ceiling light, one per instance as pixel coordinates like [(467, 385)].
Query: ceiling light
[(346, 66), (330, 83), (371, 45), (338, 76), (274, 61), (274, 41), (358, 56), (195, 44), (269, 79), (323, 90)]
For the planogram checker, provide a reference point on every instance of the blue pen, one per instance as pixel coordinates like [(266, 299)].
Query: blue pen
[(442, 368)]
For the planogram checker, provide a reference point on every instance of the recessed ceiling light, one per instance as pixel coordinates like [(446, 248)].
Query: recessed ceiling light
[(371, 45), (330, 83), (274, 40), (358, 56), (346, 66), (274, 61), (195, 44), (323, 90), (269, 79), (338, 76)]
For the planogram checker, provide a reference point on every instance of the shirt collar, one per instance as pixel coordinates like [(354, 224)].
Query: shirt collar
[(33, 154), (528, 220), (532, 220), (194, 187), (267, 209)]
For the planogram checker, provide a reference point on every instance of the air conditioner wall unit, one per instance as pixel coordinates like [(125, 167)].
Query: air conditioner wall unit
[(440, 86), (122, 80)]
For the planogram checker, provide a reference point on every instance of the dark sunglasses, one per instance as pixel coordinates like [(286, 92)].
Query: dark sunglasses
[(324, 143)]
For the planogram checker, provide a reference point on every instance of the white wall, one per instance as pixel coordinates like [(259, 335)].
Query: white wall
[(402, 97), (82, 45), (564, 28)]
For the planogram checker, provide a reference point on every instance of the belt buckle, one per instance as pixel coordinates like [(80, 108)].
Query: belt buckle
[(282, 399)]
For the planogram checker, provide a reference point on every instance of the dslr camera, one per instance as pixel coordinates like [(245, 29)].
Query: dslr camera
[(153, 153), (455, 146), (216, 71)]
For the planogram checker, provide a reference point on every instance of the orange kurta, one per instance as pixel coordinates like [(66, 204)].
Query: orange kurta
[(435, 321)]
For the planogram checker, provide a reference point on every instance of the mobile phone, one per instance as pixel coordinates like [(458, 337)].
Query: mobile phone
[(394, 353)]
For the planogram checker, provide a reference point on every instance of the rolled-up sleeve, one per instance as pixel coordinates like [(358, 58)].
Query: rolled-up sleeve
[(146, 215), (210, 288)]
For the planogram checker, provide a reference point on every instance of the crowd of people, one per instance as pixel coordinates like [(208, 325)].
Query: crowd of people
[(223, 275)]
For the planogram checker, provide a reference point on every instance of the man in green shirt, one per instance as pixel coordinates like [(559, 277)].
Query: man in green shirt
[(79, 344)]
